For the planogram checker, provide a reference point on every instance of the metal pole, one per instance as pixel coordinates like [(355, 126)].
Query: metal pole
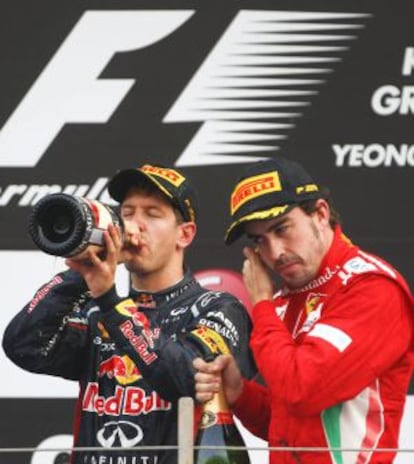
[(185, 430)]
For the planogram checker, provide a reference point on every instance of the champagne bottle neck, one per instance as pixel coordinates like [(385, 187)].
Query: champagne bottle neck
[(216, 411), (217, 404)]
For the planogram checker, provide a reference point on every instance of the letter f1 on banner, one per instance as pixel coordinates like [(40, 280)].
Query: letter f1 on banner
[(291, 51), (69, 89), (258, 80)]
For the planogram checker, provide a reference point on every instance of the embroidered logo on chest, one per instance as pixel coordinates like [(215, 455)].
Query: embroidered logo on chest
[(281, 311), (312, 313)]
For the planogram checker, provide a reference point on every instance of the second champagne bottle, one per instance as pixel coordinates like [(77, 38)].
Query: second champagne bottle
[(217, 428)]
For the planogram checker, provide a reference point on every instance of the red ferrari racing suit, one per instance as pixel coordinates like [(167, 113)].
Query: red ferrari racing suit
[(337, 358)]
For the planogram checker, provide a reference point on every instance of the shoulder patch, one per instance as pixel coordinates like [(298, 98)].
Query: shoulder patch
[(355, 266)]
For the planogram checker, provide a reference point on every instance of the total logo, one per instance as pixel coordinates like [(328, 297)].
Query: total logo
[(257, 80)]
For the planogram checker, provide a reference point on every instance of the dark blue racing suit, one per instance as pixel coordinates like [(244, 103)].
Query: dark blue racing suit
[(132, 357)]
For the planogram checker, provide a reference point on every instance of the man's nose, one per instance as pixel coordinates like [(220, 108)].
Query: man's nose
[(275, 249), (132, 230)]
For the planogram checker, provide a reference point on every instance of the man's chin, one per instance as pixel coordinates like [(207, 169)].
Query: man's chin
[(130, 257), (295, 281), (133, 266)]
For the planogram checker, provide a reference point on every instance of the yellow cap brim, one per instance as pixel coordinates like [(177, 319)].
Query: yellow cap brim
[(236, 228)]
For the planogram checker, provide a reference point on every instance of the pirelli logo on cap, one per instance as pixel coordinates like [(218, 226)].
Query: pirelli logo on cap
[(254, 187), (171, 176)]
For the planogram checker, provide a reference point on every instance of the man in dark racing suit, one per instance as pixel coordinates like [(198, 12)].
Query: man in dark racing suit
[(132, 356)]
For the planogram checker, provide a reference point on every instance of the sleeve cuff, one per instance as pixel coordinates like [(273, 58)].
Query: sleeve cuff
[(108, 300), (262, 307)]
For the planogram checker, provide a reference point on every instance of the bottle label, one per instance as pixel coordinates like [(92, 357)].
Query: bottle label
[(211, 340), (209, 418)]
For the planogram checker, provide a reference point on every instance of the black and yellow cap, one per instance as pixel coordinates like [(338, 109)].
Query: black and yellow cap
[(268, 189), (172, 183)]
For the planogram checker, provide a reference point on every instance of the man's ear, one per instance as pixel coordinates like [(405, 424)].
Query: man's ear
[(187, 232), (323, 211)]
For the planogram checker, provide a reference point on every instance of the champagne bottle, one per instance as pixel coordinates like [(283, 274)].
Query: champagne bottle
[(217, 428)]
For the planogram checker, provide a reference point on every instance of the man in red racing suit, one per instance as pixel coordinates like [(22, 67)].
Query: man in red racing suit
[(335, 350)]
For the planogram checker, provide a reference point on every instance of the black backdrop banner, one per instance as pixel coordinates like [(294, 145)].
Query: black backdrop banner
[(91, 87)]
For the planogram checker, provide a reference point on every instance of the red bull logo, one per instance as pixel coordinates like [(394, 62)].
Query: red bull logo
[(129, 309), (146, 300), (142, 342), (131, 401), (121, 368)]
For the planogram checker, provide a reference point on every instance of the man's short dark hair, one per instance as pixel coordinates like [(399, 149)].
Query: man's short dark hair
[(309, 206)]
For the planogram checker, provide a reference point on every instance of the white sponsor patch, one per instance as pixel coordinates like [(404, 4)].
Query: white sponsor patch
[(336, 337), (353, 267)]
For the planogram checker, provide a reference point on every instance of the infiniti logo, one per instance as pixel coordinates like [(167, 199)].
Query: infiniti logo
[(127, 433), (178, 311)]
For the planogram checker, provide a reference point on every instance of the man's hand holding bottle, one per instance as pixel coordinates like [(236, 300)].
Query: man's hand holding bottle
[(211, 376)]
